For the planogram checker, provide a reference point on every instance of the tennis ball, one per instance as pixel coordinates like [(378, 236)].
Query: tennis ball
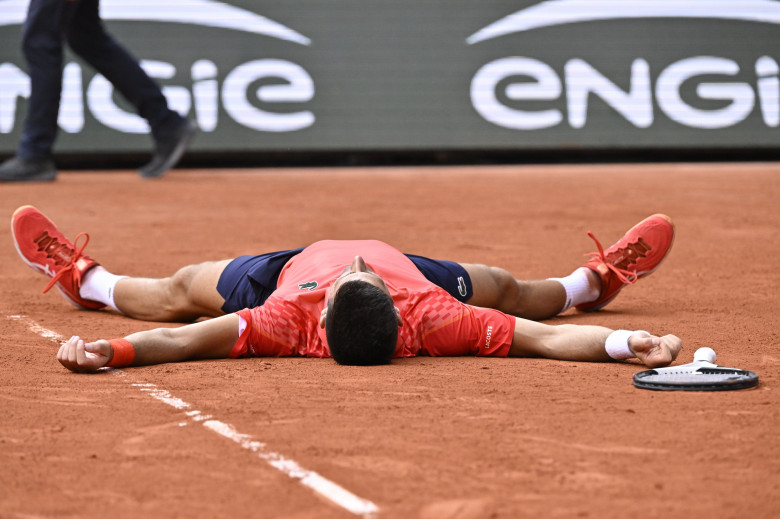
[(705, 354)]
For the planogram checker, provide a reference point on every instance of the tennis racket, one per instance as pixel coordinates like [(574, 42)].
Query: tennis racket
[(700, 375)]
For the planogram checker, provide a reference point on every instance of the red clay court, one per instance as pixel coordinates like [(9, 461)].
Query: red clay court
[(422, 438)]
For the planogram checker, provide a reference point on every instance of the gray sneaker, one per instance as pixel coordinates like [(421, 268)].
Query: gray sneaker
[(19, 169), (167, 153)]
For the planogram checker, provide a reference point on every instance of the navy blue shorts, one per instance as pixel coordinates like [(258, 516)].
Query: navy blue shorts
[(248, 281)]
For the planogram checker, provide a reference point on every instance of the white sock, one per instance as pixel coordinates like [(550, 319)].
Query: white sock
[(578, 288), (98, 285)]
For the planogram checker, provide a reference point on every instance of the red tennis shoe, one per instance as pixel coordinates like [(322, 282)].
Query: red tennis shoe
[(47, 251), (638, 253)]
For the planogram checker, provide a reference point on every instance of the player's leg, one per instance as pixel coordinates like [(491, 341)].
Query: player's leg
[(494, 287), (208, 289), (190, 293), (591, 287)]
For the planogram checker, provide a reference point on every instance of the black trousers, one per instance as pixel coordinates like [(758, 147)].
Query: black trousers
[(49, 24)]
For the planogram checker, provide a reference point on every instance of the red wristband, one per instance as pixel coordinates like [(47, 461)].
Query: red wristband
[(124, 353)]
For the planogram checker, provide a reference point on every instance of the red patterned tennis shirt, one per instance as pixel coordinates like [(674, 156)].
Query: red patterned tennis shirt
[(434, 322)]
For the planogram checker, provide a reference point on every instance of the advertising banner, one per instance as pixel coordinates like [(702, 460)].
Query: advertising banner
[(397, 75)]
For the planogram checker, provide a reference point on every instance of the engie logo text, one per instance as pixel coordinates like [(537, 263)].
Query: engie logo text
[(511, 91)]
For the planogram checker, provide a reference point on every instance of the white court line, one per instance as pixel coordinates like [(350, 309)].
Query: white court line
[(322, 486)]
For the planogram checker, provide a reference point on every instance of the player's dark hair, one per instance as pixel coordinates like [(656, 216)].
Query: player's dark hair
[(361, 325)]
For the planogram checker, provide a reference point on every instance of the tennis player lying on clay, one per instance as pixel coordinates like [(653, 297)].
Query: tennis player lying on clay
[(361, 302)]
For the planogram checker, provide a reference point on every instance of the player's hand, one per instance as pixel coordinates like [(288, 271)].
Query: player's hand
[(84, 357), (654, 351)]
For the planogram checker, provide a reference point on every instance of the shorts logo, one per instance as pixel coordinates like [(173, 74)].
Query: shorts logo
[(462, 286), (488, 336), (309, 285)]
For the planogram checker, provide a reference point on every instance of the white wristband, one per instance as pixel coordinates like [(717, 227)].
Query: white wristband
[(617, 344)]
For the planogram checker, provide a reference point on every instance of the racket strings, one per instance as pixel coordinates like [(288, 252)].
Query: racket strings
[(720, 371), (724, 372)]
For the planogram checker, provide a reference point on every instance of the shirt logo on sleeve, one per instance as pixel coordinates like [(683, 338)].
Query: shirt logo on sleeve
[(488, 336), (309, 285)]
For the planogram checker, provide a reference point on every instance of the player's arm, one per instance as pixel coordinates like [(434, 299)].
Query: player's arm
[(209, 339), (587, 343)]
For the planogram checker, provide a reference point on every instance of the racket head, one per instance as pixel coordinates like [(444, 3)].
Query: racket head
[(695, 377)]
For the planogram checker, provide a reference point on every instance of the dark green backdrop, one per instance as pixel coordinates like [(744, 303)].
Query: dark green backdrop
[(419, 75)]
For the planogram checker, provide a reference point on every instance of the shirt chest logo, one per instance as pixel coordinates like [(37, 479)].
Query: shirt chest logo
[(309, 285)]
